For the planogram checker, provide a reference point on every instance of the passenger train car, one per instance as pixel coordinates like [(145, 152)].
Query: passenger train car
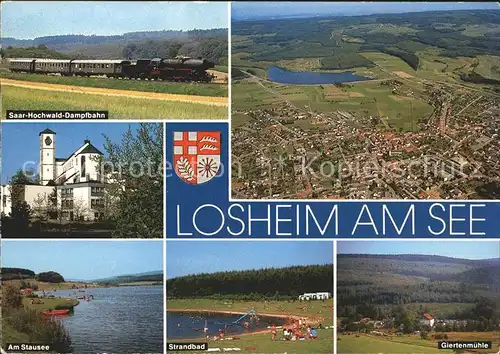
[(177, 69)]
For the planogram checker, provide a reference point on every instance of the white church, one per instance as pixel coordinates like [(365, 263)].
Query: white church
[(76, 178)]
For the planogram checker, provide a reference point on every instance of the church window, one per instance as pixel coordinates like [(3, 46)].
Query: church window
[(82, 166)]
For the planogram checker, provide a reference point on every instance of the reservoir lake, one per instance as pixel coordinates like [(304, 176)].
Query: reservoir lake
[(127, 319), (282, 76)]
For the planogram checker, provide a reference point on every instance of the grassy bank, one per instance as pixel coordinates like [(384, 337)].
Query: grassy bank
[(49, 303), (18, 98), (50, 286), (322, 311), (196, 89)]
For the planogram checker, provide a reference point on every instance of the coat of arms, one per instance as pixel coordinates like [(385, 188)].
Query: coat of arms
[(197, 156)]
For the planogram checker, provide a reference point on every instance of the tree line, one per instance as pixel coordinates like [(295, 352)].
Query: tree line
[(40, 51), (21, 273), (214, 49), (287, 283)]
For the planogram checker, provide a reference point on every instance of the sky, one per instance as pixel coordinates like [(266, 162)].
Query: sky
[(456, 249), (194, 257), (20, 141), (249, 10), (84, 260), (27, 20)]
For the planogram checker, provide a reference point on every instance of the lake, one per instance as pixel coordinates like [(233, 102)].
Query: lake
[(181, 325), (283, 76), (126, 319)]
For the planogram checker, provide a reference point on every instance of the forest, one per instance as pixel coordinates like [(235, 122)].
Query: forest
[(210, 44), (214, 49), (16, 273), (133, 278), (403, 287), (282, 283), (338, 41)]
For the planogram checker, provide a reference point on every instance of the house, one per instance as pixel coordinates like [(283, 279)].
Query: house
[(315, 296), (428, 320)]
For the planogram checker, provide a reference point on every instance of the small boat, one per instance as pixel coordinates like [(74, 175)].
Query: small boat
[(56, 312)]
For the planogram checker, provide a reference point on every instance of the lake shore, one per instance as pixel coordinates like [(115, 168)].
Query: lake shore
[(226, 312)]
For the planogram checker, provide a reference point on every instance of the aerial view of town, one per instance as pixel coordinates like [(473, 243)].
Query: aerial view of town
[(387, 105), (405, 296)]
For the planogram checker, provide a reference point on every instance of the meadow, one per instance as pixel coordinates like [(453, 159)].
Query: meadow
[(20, 98), (195, 89), (406, 344), (367, 344), (314, 309)]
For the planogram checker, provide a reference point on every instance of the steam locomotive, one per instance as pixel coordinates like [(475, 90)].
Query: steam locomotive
[(175, 69)]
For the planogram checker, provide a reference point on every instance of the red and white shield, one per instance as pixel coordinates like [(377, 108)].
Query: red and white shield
[(197, 156)]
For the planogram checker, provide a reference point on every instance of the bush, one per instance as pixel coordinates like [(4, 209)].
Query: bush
[(50, 277), (67, 306), (11, 296)]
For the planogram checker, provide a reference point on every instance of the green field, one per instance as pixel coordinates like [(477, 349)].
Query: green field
[(15, 98), (49, 303), (310, 309), (363, 99), (372, 345), (196, 89), (489, 66), (441, 310)]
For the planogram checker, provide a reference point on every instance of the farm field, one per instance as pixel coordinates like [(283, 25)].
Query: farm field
[(21, 98), (364, 99)]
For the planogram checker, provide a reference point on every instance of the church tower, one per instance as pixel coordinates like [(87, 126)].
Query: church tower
[(47, 156)]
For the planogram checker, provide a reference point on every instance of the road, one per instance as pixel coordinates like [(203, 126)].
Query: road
[(207, 100)]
